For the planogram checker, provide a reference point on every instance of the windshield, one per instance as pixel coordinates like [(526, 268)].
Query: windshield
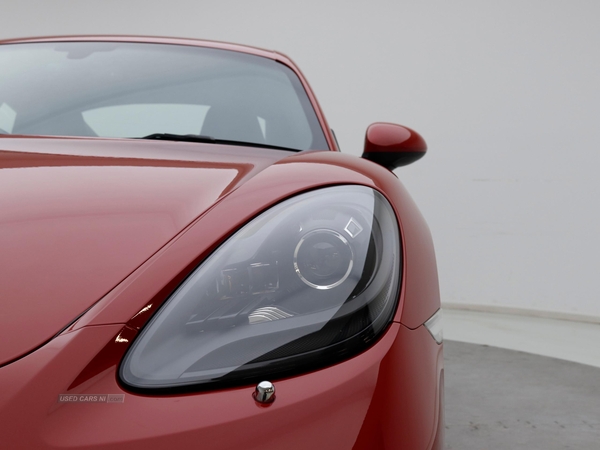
[(133, 90)]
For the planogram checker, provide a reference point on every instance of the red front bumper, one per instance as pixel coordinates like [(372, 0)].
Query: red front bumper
[(387, 397)]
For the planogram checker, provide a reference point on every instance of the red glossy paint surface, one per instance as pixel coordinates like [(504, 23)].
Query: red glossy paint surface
[(82, 360), (389, 137), (393, 146), (134, 299), (405, 409), (370, 401), (72, 226)]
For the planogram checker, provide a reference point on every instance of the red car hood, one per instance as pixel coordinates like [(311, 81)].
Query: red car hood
[(78, 215)]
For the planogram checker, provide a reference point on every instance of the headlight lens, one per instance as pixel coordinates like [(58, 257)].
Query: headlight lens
[(308, 283)]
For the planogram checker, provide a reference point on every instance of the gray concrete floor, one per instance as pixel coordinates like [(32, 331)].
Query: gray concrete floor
[(505, 399), (563, 339)]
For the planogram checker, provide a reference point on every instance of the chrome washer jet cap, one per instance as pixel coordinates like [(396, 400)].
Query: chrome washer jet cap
[(264, 392)]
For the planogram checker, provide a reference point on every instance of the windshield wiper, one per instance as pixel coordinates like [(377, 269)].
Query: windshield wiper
[(179, 137), (212, 140)]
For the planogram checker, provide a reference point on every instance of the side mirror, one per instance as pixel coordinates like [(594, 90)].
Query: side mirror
[(391, 145)]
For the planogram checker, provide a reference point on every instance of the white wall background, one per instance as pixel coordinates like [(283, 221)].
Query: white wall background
[(507, 95)]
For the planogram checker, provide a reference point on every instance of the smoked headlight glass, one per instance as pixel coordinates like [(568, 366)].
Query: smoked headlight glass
[(308, 283)]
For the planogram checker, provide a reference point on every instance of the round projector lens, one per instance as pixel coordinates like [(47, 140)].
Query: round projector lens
[(323, 259)]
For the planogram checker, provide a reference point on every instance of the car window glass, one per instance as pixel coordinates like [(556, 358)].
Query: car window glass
[(131, 90), (142, 120)]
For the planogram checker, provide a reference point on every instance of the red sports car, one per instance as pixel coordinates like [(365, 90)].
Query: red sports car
[(188, 261)]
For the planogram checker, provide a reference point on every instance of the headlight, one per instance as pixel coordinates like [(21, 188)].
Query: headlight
[(308, 283)]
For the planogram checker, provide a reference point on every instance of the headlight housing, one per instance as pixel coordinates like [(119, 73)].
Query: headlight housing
[(308, 283)]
